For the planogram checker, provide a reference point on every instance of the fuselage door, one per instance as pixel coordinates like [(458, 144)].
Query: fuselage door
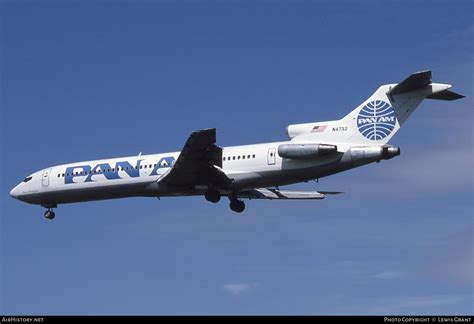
[(45, 179), (271, 156)]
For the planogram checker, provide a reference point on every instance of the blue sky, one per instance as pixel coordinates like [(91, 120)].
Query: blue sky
[(88, 80)]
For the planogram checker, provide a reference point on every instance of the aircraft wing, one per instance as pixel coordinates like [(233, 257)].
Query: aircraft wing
[(270, 193), (199, 163)]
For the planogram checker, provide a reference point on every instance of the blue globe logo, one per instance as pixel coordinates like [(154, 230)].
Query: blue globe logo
[(376, 120)]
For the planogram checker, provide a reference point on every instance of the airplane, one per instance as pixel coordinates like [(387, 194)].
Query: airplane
[(312, 151)]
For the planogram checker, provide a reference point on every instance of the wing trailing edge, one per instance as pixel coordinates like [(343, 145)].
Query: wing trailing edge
[(270, 193)]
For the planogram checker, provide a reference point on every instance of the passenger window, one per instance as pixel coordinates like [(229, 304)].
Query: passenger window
[(150, 166), (223, 158), (243, 157), (271, 154), (141, 166), (63, 175), (253, 156), (233, 158)]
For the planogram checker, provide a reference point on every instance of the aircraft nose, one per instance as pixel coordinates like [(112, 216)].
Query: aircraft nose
[(15, 192)]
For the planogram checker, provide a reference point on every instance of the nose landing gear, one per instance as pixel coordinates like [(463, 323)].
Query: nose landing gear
[(49, 214)]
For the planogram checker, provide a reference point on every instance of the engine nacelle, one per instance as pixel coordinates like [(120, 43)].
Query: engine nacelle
[(305, 151), (367, 154)]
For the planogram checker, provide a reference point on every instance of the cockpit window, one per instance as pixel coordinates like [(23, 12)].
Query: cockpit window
[(27, 179)]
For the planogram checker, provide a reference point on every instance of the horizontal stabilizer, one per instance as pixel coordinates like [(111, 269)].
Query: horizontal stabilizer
[(270, 193), (414, 82), (445, 95)]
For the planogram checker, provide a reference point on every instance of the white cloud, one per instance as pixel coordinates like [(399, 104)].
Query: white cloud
[(460, 34), (387, 275), (454, 258), (435, 173), (239, 288)]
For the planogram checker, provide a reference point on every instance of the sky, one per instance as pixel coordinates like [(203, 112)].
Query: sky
[(97, 79)]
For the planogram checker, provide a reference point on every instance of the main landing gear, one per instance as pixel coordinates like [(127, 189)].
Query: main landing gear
[(49, 214), (237, 205), (213, 196)]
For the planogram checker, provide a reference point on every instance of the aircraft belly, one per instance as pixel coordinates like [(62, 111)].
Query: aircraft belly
[(271, 178), (88, 194)]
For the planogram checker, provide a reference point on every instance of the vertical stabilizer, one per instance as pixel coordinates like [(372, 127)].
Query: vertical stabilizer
[(378, 118)]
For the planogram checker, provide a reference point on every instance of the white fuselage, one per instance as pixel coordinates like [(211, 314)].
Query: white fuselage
[(251, 166)]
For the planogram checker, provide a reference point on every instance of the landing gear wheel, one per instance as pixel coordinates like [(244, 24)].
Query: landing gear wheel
[(237, 205), (213, 196), (49, 214)]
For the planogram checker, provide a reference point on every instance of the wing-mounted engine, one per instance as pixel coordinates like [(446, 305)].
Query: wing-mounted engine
[(305, 151)]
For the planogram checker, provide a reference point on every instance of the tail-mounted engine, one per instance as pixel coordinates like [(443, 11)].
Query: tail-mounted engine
[(305, 151)]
